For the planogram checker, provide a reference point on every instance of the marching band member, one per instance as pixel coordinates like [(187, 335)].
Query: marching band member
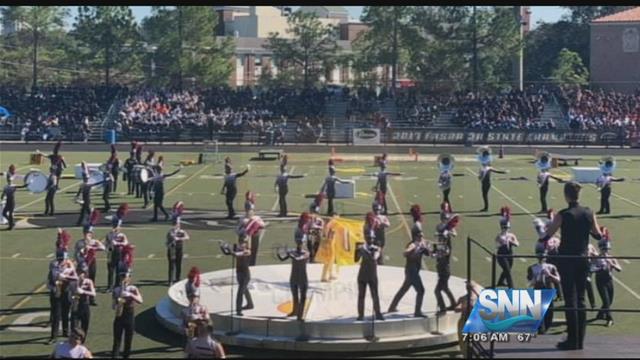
[(195, 312), (551, 248), (381, 223), (158, 189), (127, 175), (126, 260), (251, 225), (87, 232), (242, 253), (543, 276), (368, 273), (329, 187), (381, 184), (282, 188), (485, 174), (57, 162), (113, 164), (230, 187), (413, 255), (314, 228), (9, 192), (175, 242), (298, 280), (61, 274), (445, 231), (604, 280), (445, 164), (84, 292), (464, 306), (118, 243), (113, 238), (106, 187), (125, 296), (505, 241), (92, 246), (85, 190), (136, 175), (204, 346), (607, 166), (62, 240), (73, 348), (544, 164), (145, 188), (51, 189), (591, 251)]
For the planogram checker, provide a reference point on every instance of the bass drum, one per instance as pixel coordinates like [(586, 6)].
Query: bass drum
[(95, 177), (36, 181)]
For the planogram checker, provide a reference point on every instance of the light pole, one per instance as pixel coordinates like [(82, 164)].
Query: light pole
[(475, 54), (519, 58)]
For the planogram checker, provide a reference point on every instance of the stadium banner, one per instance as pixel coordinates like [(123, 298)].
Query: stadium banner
[(443, 136), (366, 136)]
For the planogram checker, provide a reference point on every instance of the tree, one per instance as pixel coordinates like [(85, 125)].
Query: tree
[(111, 39), (36, 23), (389, 37), (186, 45), (312, 46), (569, 69)]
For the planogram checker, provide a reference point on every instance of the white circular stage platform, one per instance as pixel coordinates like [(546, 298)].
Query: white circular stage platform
[(330, 321)]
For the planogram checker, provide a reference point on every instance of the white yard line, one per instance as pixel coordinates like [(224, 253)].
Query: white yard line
[(50, 255), (626, 261), (186, 181), (151, 256), (42, 198), (533, 216), (15, 255), (487, 258), (395, 202)]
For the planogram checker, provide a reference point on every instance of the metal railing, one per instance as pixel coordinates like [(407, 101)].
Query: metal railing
[(494, 260)]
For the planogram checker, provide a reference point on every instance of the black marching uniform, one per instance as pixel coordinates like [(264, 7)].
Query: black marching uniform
[(113, 257), (85, 190), (115, 170), (329, 187), (485, 179), (282, 183), (80, 309), (128, 174), (157, 182), (368, 276), (543, 183), (298, 280), (604, 182), (9, 192), (412, 268), (52, 188), (125, 323), (175, 242), (56, 300), (57, 165), (106, 189), (443, 267), (604, 283), (505, 247), (243, 275), (232, 191)]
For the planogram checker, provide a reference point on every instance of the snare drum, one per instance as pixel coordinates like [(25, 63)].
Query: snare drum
[(36, 181), (136, 172), (95, 177), (145, 175)]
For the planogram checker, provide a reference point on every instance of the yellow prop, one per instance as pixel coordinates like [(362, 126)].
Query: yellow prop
[(339, 243)]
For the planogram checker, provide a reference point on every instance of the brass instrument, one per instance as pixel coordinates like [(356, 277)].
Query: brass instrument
[(58, 292), (191, 329), (120, 306), (75, 301)]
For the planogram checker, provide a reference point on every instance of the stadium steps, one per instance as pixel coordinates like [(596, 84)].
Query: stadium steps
[(445, 120), (553, 111), (336, 110), (389, 110)]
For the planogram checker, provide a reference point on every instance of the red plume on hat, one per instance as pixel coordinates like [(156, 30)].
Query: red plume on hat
[(56, 147), (453, 222), (505, 212), (370, 218), (250, 196), (605, 233), (95, 216), (380, 197), (303, 219), (285, 159), (127, 254), (64, 238), (194, 275), (134, 144), (551, 214), (122, 210), (416, 212), (178, 208), (12, 169), (319, 198), (445, 207), (330, 163), (138, 148)]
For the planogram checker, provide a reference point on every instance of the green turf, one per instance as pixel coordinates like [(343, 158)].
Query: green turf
[(19, 276)]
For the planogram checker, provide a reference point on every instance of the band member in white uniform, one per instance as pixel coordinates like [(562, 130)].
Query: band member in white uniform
[(484, 174), (204, 346), (381, 223), (445, 164), (603, 268), (505, 241), (175, 246), (543, 164), (125, 296), (543, 276), (73, 348), (607, 166)]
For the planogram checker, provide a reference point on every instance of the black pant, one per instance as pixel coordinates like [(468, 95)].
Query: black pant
[(255, 243), (299, 292), (411, 278), (282, 199), (574, 274), (243, 283), (548, 320), (385, 211), (105, 198), (130, 183), (505, 264), (123, 324), (175, 266), (113, 270), (49, 207), (81, 316), (313, 244), (145, 188), (605, 193), (7, 212), (445, 195), (158, 198), (604, 282), (543, 198), (60, 308), (362, 289), (137, 185), (330, 205), (485, 194), (114, 184), (589, 288), (443, 286), (229, 197), (84, 210)]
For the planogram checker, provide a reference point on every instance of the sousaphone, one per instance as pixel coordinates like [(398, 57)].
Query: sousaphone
[(543, 161), (484, 155), (607, 164), (445, 162)]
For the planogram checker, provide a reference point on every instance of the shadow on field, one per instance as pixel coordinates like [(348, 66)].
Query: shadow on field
[(9, 312), (148, 326), (143, 283), (617, 216), (38, 340)]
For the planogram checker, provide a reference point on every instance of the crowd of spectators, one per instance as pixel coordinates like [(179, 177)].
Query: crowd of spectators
[(507, 110), (365, 102), (420, 109), (52, 112), (598, 109)]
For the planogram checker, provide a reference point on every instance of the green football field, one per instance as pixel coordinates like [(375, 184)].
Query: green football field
[(26, 251)]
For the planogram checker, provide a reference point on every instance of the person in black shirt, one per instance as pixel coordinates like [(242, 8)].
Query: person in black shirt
[(282, 188), (113, 164), (544, 164), (442, 252), (381, 184), (231, 188), (51, 189), (9, 192), (128, 173), (106, 188), (57, 162), (242, 253), (329, 187), (604, 280), (298, 280), (485, 175), (604, 181), (157, 182), (146, 187), (368, 273), (575, 222), (85, 190)]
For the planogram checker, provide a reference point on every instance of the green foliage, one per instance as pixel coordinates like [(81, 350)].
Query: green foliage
[(311, 49), (109, 39), (569, 69), (187, 46)]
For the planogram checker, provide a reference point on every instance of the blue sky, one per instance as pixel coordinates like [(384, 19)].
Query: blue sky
[(547, 14)]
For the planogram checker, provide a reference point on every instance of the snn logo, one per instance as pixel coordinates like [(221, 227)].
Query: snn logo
[(519, 304)]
